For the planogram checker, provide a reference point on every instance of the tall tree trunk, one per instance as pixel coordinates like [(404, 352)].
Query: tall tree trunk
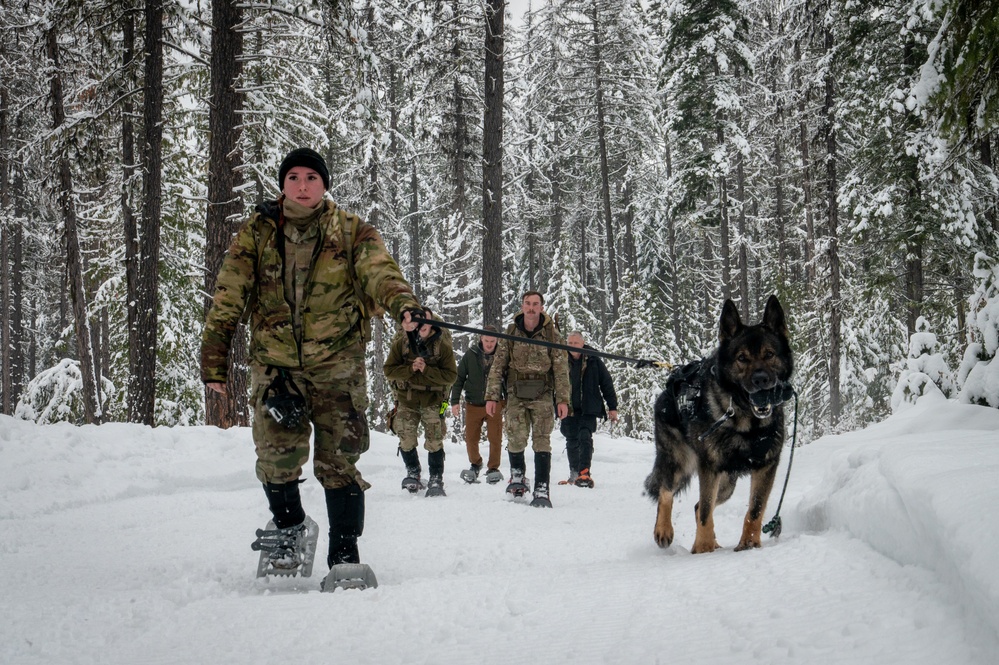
[(806, 180), (672, 260), (225, 206), (604, 164), (74, 257), (459, 197), (782, 266), (131, 232), (740, 192), (7, 223), (142, 410), (832, 207), (985, 155), (492, 165), (414, 221), (630, 254)]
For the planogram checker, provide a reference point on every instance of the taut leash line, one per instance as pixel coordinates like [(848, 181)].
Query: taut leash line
[(639, 362)]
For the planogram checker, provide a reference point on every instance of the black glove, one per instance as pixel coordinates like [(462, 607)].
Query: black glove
[(414, 313)]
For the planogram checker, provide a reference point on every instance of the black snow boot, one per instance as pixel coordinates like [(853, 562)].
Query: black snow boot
[(542, 468), (411, 458), (285, 503), (518, 466), (435, 464), (345, 506)]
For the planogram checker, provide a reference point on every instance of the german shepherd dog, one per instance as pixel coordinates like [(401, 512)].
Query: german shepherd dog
[(722, 418)]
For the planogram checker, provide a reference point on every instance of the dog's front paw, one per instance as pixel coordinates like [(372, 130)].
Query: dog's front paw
[(748, 544), (704, 542), (663, 536)]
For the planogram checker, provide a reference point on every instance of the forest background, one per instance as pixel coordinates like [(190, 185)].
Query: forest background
[(638, 162)]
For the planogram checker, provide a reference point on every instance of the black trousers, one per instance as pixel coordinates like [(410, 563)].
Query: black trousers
[(578, 432)]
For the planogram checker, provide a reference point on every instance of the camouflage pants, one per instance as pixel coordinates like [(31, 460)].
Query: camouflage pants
[(534, 418), (336, 401), (407, 426)]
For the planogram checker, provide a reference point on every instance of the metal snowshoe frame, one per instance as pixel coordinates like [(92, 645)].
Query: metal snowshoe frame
[(271, 539), (349, 576)]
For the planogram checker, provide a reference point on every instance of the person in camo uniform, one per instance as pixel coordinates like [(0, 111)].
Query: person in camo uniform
[(420, 369), (536, 378), (287, 269)]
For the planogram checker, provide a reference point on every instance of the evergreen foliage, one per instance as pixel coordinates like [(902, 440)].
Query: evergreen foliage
[(659, 157)]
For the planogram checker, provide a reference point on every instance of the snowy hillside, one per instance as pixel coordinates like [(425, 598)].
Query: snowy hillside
[(122, 544)]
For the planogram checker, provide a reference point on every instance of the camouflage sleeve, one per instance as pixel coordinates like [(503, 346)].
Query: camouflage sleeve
[(397, 367), (497, 374), (233, 286), (560, 368), (379, 274)]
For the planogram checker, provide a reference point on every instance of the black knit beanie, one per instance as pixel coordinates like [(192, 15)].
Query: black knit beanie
[(310, 159)]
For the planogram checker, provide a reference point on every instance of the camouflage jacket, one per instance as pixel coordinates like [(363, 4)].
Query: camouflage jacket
[(516, 361), (430, 386), (251, 282)]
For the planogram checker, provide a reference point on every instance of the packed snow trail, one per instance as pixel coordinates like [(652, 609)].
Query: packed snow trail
[(122, 544)]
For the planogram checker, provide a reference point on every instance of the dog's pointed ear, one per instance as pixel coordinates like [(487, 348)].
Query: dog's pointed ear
[(773, 317), (730, 323)]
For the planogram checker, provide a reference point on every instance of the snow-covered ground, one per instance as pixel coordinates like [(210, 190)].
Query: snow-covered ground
[(125, 544)]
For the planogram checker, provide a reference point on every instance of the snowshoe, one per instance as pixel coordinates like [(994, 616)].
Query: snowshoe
[(286, 552), (412, 482), (517, 487), (471, 474), (584, 479), (573, 476), (349, 576), (435, 486), (541, 499), (493, 476)]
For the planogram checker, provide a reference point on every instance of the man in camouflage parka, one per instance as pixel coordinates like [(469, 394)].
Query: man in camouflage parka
[(287, 270), (421, 369), (537, 378)]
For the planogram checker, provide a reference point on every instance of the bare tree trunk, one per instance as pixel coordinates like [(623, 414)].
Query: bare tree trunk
[(492, 166), (672, 260), (459, 164), (832, 206), (782, 267), (630, 254), (604, 165), (225, 206), (142, 410), (6, 250), (740, 192), (414, 222), (74, 258), (806, 182), (131, 232)]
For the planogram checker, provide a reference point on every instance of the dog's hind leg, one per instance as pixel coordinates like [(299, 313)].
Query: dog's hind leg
[(759, 491), (664, 519), (704, 539)]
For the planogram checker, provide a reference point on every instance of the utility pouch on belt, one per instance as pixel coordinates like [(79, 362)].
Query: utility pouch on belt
[(529, 389), (284, 400)]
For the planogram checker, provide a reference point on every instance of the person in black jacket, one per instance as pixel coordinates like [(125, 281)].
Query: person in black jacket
[(591, 387)]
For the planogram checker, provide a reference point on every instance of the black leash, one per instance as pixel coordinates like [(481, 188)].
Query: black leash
[(773, 527), (640, 363)]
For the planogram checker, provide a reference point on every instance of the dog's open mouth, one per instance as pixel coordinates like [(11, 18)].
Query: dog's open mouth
[(763, 411)]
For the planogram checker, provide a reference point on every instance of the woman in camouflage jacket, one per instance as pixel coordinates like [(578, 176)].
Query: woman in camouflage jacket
[(287, 270)]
